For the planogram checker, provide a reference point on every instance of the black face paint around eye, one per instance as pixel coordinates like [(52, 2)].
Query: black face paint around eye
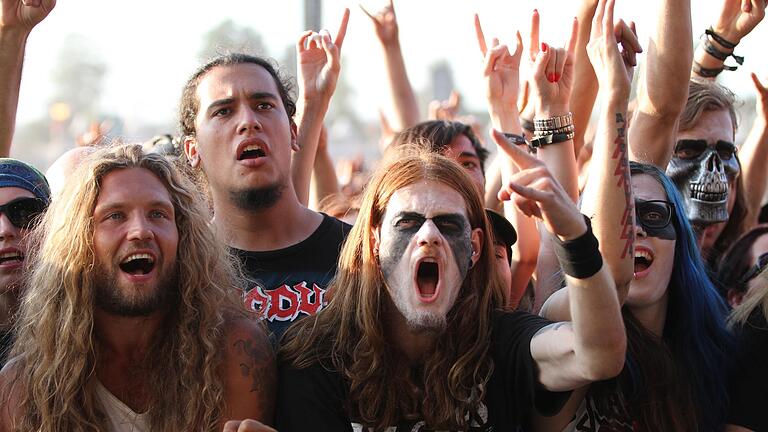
[(455, 230), (646, 215)]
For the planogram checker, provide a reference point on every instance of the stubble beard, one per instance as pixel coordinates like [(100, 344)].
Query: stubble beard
[(125, 301), (257, 199)]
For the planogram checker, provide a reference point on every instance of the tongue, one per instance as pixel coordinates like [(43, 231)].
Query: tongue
[(427, 286), (641, 265)]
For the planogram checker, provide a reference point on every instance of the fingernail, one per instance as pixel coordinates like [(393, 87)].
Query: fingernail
[(557, 77), (544, 47), (551, 77)]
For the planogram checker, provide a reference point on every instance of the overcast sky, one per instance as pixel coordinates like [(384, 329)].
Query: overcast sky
[(150, 46)]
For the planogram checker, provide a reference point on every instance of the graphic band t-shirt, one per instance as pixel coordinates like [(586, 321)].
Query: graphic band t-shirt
[(288, 284), (315, 398)]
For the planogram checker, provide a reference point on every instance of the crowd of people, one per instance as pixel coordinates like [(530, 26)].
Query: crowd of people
[(604, 272)]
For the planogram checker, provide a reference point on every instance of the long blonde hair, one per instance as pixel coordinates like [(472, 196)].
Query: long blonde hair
[(350, 332), (757, 297), (56, 348)]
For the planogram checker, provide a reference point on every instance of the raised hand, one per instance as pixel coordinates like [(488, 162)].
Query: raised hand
[(246, 426), (537, 193), (738, 18), (761, 102), (502, 70), (24, 14), (613, 69), (445, 110), (385, 23), (319, 60), (552, 76)]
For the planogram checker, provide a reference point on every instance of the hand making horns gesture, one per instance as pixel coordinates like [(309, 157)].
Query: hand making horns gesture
[(320, 61), (537, 193)]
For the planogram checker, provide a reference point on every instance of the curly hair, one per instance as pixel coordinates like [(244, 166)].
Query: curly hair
[(56, 351), (350, 331)]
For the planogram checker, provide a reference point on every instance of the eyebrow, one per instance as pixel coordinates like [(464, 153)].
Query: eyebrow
[(421, 216), (119, 205), (469, 154), (253, 96)]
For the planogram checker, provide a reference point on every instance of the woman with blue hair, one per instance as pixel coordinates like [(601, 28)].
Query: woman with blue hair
[(674, 378)]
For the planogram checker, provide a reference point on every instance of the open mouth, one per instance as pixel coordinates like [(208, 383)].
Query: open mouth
[(15, 257), (138, 264), (643, 260), (427, 277), (252, 151)]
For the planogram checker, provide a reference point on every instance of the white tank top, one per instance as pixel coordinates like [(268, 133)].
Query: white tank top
[(119, 416)]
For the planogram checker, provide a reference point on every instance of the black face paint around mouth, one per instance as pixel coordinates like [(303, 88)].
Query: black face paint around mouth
[(454, 228)]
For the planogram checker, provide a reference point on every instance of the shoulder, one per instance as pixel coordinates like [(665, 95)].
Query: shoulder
[(334, 226), (10, 393), (247, 340), (516, 325)]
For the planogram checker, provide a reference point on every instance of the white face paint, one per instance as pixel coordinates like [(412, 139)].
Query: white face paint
[(425, 251)]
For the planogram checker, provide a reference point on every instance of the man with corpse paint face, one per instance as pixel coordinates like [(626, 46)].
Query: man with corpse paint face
[(704, 165), (415, 335)]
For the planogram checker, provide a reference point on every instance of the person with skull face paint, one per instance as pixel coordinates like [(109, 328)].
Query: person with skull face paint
[(414, 335), (706, 168)]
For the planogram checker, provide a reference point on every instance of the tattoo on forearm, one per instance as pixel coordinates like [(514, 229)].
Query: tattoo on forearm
[(620, 155), (258, 359)]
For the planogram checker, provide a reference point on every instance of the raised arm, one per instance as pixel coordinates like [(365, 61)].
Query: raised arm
[(319, 60), (501, 73), (324, 180), (585, 86), (663, 91), (737, 19), (753, 154), (17, 19), (592, 346), (403, 98)]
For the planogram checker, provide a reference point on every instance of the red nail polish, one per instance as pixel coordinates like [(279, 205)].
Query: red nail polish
[(544, 47), (551, 77), (557, 77)]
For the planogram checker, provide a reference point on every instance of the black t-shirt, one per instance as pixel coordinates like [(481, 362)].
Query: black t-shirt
[(6, 340), (290, 283), (315, 398), (749, 397)]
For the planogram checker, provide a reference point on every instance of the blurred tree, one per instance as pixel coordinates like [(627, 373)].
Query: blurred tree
[(229, 36)]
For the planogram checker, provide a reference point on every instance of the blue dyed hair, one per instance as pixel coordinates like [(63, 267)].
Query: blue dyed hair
[(695, 330)]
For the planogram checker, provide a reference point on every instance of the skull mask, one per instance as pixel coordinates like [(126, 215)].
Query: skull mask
[(702, 173)]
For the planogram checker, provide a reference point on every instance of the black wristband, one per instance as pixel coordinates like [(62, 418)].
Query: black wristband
[(556, 138), (515, 138), (706, 73), (720, 55), (579, 258), (719, 39)]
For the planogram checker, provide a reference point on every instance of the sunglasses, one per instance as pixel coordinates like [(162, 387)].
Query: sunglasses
[(654, 214), (23, 212), (762, 262)]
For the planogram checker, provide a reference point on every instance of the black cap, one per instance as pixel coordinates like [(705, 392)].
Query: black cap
[(503, 231)]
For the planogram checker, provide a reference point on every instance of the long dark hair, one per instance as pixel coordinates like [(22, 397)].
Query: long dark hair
[(678, 381)]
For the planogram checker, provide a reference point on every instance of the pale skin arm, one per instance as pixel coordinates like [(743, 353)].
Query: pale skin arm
[(319, 60), (737, 19), (16, 22), (585, 86), (593, 345), (733, 428), (754, 153), (250, 374), (404, 103), (324, 180), (663, 92), (502, 78)]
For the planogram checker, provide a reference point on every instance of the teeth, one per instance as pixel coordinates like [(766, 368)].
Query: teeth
[(644, 254), (252, 147), (10, 255), (139, 256)]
